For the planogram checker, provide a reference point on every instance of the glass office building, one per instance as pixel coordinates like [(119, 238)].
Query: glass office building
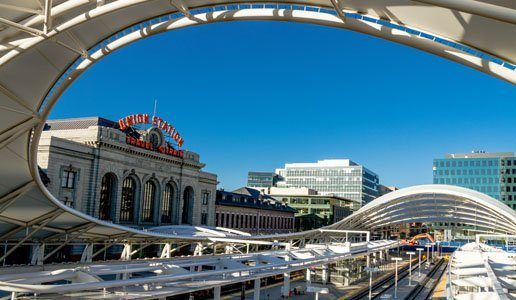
[(338, 177), (262, 179), (490, 173)]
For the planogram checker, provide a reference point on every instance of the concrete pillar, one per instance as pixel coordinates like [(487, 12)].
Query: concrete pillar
[(216, 293), (381, 256), (286, 276), (325, 274), (308, 276), (286, 284), (256, 293)]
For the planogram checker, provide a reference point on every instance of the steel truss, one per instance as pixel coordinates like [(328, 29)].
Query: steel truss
[(167, 277)]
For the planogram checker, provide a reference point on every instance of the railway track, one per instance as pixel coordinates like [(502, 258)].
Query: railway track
[(384, 284), (423, 290)]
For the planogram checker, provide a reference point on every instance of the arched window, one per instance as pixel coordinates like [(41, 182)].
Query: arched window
[(149, 196), (167, 204), (107, 194), (188, 200), (128, 199)]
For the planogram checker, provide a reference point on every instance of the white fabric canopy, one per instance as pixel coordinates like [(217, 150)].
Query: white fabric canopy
[(45, 48)]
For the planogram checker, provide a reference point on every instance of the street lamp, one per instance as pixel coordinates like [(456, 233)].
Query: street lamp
[(371, 270), (410, 267), (419, 261), (396, 259)]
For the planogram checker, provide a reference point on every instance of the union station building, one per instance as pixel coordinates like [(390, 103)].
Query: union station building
[(130, 172)]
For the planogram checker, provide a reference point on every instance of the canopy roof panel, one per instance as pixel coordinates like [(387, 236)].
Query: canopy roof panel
[(45, 47)]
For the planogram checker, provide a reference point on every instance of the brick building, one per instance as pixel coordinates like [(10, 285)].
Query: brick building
[(247, 210)]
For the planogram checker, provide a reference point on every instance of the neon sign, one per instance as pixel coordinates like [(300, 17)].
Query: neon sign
[(155, 121), (153, 138)]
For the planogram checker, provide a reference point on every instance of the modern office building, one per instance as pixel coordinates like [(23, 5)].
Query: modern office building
[(248, 210), (338, 177), (126, 175), (262, 179), (313, 210), (493, 174)]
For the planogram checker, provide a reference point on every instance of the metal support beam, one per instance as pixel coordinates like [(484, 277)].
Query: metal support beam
[(68, 240), (30, 224), (103, 249), (17, 192), (87, 254), (38, 228), (80, 229), (126, 253), (38, 251), (338, 10), (165, 252), (23, 28), (47, 23), (181, 7)]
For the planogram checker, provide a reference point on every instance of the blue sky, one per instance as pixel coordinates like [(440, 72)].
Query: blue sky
[(255, 95)]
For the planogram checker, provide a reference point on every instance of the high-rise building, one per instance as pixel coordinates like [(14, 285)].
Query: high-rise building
[(338, 177), (493, 174), (262, 179)]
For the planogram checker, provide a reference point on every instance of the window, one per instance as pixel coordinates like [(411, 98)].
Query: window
[(167, 203), (68, 179), (205, 198), (149, 196), (127, 201), (107, 191), (204, 218)]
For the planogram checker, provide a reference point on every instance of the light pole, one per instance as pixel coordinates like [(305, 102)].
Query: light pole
[(396, 259), (371, 270), (419, 261), (427, 255), (410, 267)]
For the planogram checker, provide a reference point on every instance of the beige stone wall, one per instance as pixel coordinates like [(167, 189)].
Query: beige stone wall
[(96, 151)]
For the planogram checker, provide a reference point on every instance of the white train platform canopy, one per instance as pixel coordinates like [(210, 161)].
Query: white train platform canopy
[(46, 45), (435, 204)]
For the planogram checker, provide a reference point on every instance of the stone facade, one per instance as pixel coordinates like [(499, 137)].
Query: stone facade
[(76, 158)]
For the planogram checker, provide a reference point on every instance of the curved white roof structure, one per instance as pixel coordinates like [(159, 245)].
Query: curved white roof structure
[(44, 48), (434, 203)]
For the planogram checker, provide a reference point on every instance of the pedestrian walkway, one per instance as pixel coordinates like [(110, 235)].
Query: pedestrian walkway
[(440, 290)]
